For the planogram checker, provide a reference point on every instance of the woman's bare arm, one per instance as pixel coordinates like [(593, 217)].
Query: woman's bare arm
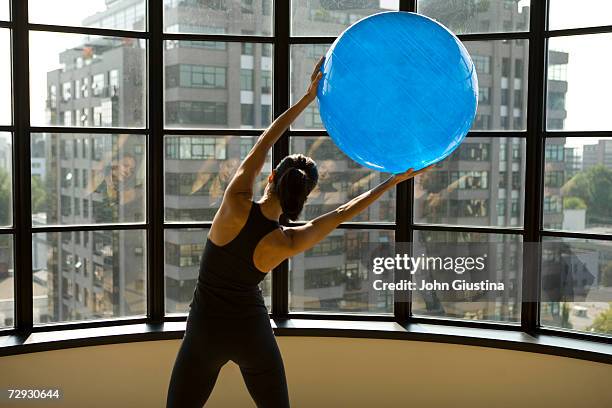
[(306, 236), (244, 178)]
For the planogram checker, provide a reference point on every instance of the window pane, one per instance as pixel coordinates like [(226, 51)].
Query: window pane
[(204, 83), (580, 271), (81, 80), (116, 14), (5, 77), (587, 13), (578, 184), (463, 17), (238, 17), (303, 60), (503, 265), (502, 83), (579, 83), (183, 251), (6, 179), (330, 17), (88, 178), (341, 179), (7, 276), (86, 275), (481, 183), (333, 277), (4, 10), (197, 171)]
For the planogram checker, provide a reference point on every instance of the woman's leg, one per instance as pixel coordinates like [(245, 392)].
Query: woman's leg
[(196, 368), (261, 365)]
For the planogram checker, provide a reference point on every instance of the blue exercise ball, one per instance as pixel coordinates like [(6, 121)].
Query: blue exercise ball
[(399, 91)]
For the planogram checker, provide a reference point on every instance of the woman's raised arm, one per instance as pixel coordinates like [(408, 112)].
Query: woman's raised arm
[(244, 178)]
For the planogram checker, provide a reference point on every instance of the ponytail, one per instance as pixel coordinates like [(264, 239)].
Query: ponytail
[(297, 176)]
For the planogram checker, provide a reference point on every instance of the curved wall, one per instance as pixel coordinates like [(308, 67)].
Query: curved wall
[(325, 372)]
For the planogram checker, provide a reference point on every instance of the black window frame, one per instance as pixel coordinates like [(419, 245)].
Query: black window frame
[(404, 226)]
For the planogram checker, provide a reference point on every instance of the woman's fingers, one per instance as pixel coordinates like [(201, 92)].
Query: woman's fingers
[(317, 68)]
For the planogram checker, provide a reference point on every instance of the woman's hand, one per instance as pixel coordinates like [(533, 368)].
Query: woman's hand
[(315, 77), (410, 173)]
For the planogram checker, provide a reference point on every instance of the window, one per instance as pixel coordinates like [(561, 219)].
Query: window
[(91, 226), (338, 182), (181, 113), (246, 79), (483, 95), (482, 63), (578, 54), (331, 17), (201, 76), (211, 94), (247, 113), (465, 17), (197, 169)]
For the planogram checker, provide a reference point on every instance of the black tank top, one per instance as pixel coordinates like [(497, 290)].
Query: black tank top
[(228, 281)]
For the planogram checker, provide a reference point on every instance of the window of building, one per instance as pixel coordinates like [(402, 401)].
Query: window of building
[(246, 79), (201, 76), (247, 114)]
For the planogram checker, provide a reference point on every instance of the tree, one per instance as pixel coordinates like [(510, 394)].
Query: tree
[(574, 203), (5, 197), (39, 195), (603, 322), (594, 188)]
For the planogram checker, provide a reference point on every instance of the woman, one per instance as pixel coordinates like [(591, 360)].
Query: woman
[(228, 319)]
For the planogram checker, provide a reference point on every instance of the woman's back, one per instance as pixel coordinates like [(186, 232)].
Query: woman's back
[(228, 280)]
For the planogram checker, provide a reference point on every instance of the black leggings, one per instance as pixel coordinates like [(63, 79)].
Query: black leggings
[(209, 343)]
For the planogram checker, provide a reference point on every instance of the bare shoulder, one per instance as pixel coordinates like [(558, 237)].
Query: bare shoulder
[(230, 218)]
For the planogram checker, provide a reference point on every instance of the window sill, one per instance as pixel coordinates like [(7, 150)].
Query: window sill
[(505, 339)]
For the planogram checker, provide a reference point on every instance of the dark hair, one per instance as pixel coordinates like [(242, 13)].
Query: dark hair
[(295, 177)]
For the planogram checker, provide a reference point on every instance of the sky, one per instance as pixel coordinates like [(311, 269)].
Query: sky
[(590, 59)]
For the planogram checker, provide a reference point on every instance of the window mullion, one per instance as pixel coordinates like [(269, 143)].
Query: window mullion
[(282, 21), (534, 167), (155, 175), (22, 218)]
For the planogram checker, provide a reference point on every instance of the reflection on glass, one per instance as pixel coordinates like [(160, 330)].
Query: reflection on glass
[(85, 275), (6, 179), (331, 17), (502, 83), (578, 184), (183, 251), (586, 13), (505, 266), (214, 84), (87, 178), (303, 60), (197, 171), (579, 83), (115, 14), (481, 183), (79, 80), (469, 16), (333, 276), (581, 271), (341, 179), (236, 17), (5, 77), (7, 277)]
